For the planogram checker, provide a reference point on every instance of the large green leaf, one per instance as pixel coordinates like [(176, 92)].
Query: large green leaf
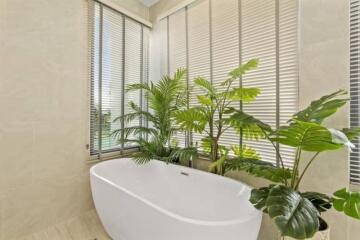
[(294, 215), (245, 151), (205, 85), (259, 168), (243, 94), (347, 202), (310, 137), (321, 201), (242, 69), (322, 108), (184, 154), (192, 119), (259, 196), (205, 100), (249, 126)]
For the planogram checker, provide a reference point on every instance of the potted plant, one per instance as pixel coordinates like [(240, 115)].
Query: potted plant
[(297, 214), (209, 115), (164, 99)]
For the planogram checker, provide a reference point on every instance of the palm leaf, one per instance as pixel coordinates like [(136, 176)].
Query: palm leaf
[(191, 119), (137, 86), (205, 85), (249, 126), (310, 137), (347, 202), (259, 168), (243, 94), (322, 108), (142, 157), (245, 152), (242, 69), (185, 154)]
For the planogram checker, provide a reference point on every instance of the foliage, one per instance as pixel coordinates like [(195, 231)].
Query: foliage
[(259, 168), (322, 108), (164, 99), (209, 116), (296, 214), (347, 202), (293, 214), (310, 137), (321, 201)]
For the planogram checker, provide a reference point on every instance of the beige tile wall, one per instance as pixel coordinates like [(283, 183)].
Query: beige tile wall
[(44, 121), (324, 67)]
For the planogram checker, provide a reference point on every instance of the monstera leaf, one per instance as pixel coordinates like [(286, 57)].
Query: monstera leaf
[(310, 137), (321, 201), (347, 202), (294, 215), (259, 196), (259, 168), (250, 127), (322, 108)]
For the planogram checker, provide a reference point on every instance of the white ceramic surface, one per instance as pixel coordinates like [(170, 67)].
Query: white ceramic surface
[(159, 201)]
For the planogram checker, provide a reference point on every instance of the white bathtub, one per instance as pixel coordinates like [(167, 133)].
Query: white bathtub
[(159, 201)]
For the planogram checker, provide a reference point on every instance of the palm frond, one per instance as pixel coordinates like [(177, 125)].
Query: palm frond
[(184, 154), (259, 168), (245, 152), (249, 126), (242, 69), (243, 94), (141, 157), (191, 120), (137, 86), (205, 85)]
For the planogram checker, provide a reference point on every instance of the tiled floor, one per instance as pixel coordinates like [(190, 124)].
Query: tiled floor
[(86, 227)]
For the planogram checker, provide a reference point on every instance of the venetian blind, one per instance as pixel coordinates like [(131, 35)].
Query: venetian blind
[(118, 58), (355, 86), (221, 34)]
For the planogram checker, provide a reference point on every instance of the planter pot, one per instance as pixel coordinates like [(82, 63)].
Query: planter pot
[(320, 235)]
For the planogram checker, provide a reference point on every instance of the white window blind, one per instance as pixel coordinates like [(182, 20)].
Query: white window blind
[(199, 51), (221, 34), (177, 55), (119, 57), (355, 86)]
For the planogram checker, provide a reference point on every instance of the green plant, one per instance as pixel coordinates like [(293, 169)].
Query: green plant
[(209, 116), (296, 213), (154, 139)]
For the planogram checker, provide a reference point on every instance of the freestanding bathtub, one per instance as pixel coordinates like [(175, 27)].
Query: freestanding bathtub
[(159, 201)]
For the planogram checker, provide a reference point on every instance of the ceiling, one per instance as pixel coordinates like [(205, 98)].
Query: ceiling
[(149, 3)]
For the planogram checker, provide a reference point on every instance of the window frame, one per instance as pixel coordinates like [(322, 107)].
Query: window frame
[(95, 153)]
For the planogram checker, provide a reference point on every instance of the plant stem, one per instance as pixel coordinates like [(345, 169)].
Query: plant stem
[(296, 166), (305, 169), (277, 153)]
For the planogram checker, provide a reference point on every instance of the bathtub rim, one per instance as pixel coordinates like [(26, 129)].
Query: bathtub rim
[(254, 214)]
